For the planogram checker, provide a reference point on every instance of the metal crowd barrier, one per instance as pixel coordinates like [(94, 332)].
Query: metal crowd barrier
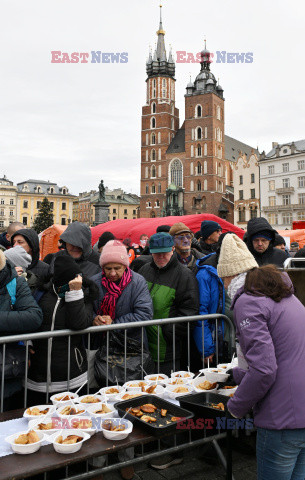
[(107, 329)]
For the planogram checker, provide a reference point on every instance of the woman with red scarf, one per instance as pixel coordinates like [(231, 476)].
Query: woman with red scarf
[(123, 294)]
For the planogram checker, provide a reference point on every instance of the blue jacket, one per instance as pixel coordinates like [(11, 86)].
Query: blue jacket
[(134, 305), (212, 300)]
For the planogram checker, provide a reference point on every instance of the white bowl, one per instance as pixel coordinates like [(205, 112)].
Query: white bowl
[(25, 449), (91, 410), (159, 378), (118, 435), (111, 396), (200, 380), (183, 374), (182, 381), (75, 447), (224, 366), (159, 391), (63, 402), (54, 420), (79, 408), (135, 389), (100, 399), (216, 375), (40, 407), (227, 391), (169, 390), (119, 398)]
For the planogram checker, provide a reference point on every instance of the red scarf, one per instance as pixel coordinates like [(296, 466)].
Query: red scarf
[(113, 291)]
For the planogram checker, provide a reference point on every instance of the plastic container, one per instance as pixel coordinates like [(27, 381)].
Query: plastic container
[(228, 392), (83, 403), (51, 410), (114, 436), (25, 449), (72, 448), (183, 374), (170, 390), (80, 410), (135, 386), (216, 375), (56, 402), (92, 409), (201, 380), (110, 394), (159, 378)]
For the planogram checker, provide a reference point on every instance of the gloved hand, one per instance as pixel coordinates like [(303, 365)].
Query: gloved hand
[(230, 382)]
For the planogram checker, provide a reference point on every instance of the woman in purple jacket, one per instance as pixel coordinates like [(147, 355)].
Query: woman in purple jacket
[(270, 326)]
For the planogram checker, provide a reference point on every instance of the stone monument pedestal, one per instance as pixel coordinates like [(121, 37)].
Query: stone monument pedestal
[(101, 212)]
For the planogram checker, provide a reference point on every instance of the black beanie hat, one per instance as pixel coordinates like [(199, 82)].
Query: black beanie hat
[(279, 240), (65, 269), (163, 228), (104, 238)]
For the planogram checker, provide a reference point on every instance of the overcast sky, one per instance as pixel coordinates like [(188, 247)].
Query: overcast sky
[(77, 123)]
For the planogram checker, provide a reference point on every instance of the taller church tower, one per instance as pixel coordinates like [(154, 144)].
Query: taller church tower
[(160, 122)]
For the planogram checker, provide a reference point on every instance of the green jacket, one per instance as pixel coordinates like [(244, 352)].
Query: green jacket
[(174, 292)]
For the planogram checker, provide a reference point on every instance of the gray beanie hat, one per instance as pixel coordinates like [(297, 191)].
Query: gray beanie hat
[(18, 257)]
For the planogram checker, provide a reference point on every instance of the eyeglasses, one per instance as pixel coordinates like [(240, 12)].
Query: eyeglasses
[(188, 236)]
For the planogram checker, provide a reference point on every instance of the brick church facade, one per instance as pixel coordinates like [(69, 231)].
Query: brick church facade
[(183, 169)]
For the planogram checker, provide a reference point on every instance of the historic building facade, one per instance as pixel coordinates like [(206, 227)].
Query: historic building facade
[(8, 203), (246, 189)]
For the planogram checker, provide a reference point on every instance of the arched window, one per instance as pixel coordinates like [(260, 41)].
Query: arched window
[(146, 156), (159, 171), (152, 215), (199, 133), (38, 189), (153, 139), (192, 150), (146, 189), (205, 149), (199, 169), (205, 185), (199, 152), (198, 112), (173, 109), (204, 202), (172, 124), (146, 172), (176, 173), (153, 154), (219, 170), (218, 113), (153, 188), (153, 107), (159, 188), (191, 168), (153, 122), (205, 167), (51, 190), (153, 172), (157, 203), (159, 137), (205, 132), (198, 186), (218, 134), (159, 153), (192, 186)]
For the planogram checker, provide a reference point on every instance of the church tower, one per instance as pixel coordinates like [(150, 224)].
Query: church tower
[(160, 123), (205, 168)]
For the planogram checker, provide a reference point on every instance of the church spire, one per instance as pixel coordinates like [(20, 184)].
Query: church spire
[(161, 52)]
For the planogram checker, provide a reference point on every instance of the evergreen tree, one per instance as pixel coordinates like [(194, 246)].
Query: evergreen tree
[(44, 218)]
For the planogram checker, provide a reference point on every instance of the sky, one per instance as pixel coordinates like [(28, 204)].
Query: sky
[(77, 123)]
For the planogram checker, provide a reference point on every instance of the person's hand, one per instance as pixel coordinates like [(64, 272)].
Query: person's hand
[(102, 320), (230, 382), (19, 270), (210, 358), (76, 283)]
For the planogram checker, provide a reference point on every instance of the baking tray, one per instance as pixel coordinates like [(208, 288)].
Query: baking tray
[(154, 428), (198, 404)]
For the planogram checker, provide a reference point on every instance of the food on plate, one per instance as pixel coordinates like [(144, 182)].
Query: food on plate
[(90, 399), (181, 390), (148, 408), (71, 439), (27, 438), (175, 419), (112, 390), (45, 426), (150, 389), (64, 398), (103, 409), (70, 411), (178, 381), (148, 419), (129, 396), (111, 427), (163, 412), (218, 406), (36, 411), (206, 385)]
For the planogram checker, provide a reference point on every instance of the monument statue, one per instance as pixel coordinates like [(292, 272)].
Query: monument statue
[(101, 189)]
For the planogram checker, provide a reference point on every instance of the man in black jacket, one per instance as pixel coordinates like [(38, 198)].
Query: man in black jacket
[(183, 237), (210, 233), (28, 239), (260, 241)]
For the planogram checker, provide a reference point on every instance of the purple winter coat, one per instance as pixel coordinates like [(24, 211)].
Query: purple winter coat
[(273, 343)]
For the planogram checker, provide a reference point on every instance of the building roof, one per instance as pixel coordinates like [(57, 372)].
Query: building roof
[(177, 144), (43, 184), (233, 148), (115, 196), (298, 144)]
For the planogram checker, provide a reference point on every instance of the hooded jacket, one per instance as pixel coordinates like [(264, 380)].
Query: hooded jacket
[(25, 316), (39, 268), (79, 235), (272, 339), (271, 255), (174, 292)]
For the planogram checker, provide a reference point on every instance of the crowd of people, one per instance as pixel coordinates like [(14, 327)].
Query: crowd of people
[(174, 273)]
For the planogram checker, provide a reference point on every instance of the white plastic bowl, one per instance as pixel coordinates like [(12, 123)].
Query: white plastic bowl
[(118, 435), (78, 407), (224, 366), (33, 425), (159, 378), (120, 398), (25, 449), (183, 381), (216, 375), (169, 390), (100, 399), (135, 389), (184, 374), (75, 447), (91, 410), (111, 396), (227, 391), (40, 407), (63, 402), (200, 380)]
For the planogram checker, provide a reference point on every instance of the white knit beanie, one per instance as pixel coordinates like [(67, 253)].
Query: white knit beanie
[(234, 258), (2, 260)]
